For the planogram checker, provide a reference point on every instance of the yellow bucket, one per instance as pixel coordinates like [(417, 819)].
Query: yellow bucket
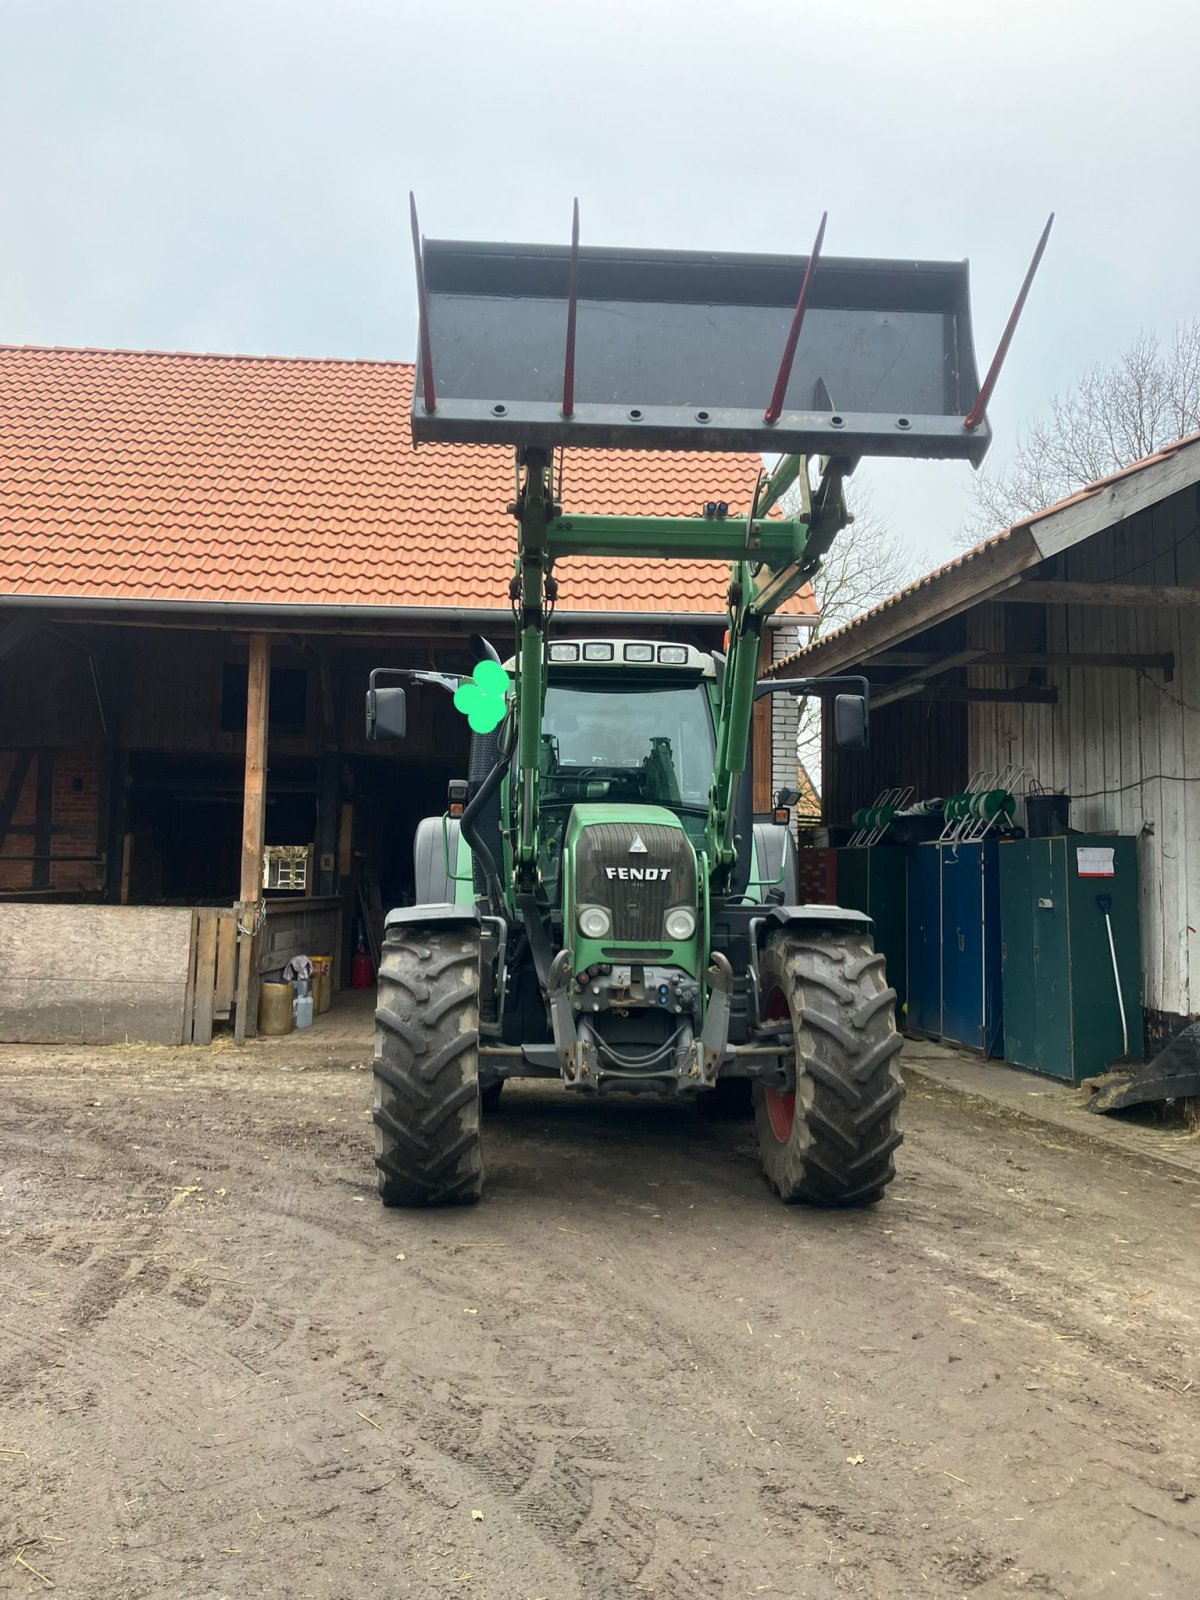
[(275, 1008)]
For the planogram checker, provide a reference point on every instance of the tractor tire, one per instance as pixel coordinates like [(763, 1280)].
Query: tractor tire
[(427, 1103), (831, 1142)]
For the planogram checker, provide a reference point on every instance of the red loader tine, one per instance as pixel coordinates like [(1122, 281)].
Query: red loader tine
[(772, 413), (430, 396), (568, 405), (975, 416)]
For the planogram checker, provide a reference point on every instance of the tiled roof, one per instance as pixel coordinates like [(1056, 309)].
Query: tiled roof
[(995, 541), (150, 476)]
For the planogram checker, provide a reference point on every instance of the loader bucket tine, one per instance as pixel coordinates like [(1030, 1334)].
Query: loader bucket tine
[(976, 414), (568, 405), (773, 411), (429, 394)]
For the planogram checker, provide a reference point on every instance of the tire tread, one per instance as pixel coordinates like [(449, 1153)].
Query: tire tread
[(426, 1069), (848, 1087)]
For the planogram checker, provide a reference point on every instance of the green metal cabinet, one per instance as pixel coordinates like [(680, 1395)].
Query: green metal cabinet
[(1061, 1014), (874, 879)]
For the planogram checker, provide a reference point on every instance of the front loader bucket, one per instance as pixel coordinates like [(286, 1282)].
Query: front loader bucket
[(682, 351)]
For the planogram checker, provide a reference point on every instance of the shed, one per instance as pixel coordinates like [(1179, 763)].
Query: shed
[(1067, 646), (201, 559)]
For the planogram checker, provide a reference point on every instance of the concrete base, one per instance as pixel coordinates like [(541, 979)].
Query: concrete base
[(1058, 1104)]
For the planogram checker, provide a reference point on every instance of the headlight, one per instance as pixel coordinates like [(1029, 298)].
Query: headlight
[(680, 923), (595, 922)]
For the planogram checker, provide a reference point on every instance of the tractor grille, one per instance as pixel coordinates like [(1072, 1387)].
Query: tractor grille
[(666, 876)]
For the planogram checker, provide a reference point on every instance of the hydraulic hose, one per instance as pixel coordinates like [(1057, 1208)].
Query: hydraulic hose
[(479, 849)]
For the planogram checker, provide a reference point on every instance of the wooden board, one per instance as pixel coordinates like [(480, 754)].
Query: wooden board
[(206, 966), (227, 937), (79, 974)]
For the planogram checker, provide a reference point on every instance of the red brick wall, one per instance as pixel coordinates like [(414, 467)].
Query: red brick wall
[(74, 819)]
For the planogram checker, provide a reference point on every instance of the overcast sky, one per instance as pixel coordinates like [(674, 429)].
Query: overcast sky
[(231, 174)]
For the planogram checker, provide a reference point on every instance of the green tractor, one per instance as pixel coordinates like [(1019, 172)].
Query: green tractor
[(599, 904)]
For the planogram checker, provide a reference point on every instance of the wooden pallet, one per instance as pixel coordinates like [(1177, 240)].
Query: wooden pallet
[(212, 972)]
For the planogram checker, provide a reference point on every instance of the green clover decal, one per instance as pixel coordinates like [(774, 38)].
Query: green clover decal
[(481, 697)]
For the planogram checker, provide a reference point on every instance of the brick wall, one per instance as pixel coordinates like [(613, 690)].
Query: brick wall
[(785, 714), (65, 823)]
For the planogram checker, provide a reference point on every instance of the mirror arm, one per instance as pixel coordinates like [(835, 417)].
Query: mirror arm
[(823, 688), (439, 680)]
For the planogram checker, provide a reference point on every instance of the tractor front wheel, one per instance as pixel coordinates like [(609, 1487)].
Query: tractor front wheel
[(427, 1103), (830, 1142)]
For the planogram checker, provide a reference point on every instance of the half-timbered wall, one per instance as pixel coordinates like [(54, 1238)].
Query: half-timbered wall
[(50, 830)]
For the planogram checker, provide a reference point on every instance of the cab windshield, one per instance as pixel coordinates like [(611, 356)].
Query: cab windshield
[(648, 743)]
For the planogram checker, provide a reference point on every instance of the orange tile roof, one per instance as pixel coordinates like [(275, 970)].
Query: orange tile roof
[(150, 476)]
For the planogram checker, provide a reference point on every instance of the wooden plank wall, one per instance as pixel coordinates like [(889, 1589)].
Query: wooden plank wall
[(1123, 742), (912, 742)]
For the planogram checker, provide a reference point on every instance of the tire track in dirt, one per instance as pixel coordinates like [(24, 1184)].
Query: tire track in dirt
[(574, 1359)]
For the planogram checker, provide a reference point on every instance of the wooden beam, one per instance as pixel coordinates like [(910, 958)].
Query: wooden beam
[(957, 694), (43, 836), (329, 778), (1063, 593), (254, 817), (1076, 658), (903, 687), (1035, 658), (904, 658), (254, 783)]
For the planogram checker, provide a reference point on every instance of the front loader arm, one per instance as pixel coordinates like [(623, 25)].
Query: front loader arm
[(532, 592), (757, 589)]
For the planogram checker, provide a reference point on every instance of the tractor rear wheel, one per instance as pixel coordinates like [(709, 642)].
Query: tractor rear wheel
[(427, 1105), (830, 1142)]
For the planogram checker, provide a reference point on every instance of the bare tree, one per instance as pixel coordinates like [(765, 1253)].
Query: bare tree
[(866, 563), (1115, 415)]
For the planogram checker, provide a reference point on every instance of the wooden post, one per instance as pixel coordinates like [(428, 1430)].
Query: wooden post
[(254, 815), (254, 790), (329, 776)]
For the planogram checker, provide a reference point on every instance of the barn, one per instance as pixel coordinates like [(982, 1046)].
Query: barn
[(1065, 654), (201, 559)]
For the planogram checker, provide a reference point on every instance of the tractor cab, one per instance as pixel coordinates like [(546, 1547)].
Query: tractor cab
[(625, 724)]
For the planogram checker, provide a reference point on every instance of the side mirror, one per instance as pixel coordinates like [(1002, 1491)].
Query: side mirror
[(387, 714), (850, 721)]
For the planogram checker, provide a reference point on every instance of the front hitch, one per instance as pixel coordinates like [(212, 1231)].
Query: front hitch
[(697, 1060), (708, 1051)]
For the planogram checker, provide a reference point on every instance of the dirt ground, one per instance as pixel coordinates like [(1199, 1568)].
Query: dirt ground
[(226, 1371)]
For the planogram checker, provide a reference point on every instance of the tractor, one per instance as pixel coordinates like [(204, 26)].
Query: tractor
[(599, 904)]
